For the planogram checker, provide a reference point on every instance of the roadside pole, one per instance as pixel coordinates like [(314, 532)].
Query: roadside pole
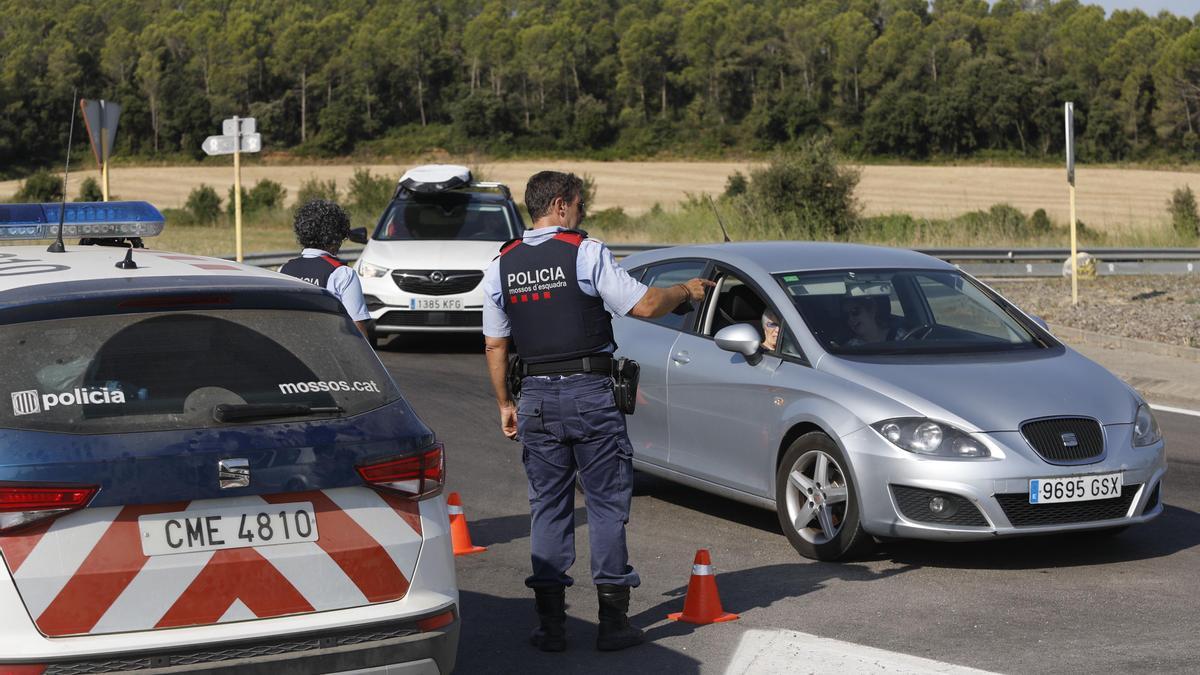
[(1069, 115), (104, 166), (238, 136), (237, 192)]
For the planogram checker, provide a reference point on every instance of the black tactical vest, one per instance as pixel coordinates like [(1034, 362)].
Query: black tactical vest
[(315, 271), (552, 319)]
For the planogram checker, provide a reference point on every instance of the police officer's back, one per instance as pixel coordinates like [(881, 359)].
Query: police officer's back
[(321, 226), (550, 295)]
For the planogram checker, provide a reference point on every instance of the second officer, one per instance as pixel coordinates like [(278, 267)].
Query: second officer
[(550, 295)]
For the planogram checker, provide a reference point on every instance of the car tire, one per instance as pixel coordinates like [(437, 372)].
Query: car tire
[(832, 529)]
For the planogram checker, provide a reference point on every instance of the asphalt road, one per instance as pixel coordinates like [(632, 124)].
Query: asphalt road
[(1067, 604)]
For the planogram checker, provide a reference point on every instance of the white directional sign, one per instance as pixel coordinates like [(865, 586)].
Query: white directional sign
[(229, 127), (227, 145)]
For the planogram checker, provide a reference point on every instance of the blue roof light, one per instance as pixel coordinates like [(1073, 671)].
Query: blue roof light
[(83, 219)]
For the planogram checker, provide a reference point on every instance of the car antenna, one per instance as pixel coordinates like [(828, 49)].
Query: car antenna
[(714, 208), (127, 263), (57, 246)]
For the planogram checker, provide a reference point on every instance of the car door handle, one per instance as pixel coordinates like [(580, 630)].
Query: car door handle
[(681, 358)]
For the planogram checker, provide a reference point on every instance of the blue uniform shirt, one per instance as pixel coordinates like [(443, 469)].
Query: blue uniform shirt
[(344, 283), (595, 267)]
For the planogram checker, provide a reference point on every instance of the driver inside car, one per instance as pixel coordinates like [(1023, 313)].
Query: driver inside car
[(867, 316)]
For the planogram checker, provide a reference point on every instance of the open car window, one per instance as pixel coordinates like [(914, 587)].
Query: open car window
[(666, 274), (168, 370), (902, 312)]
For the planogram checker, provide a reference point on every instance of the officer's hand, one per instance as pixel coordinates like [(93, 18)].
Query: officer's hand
[(508, 420), (697, 287)]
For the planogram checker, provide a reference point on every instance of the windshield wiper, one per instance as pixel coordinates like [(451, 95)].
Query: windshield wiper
[(236, 412)]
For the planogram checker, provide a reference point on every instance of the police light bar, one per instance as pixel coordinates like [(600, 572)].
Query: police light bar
[(83, 219)]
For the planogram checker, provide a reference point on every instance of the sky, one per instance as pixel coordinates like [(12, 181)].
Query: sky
[(1181, 7)]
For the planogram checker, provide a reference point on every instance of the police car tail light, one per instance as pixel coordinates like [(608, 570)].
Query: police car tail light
[(416, 477), (22, 505)]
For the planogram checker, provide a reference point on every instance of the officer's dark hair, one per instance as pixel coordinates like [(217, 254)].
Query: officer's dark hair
[(321, 224), (544, 186)]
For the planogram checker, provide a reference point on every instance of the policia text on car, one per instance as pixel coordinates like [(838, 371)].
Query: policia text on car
[(549, 295)]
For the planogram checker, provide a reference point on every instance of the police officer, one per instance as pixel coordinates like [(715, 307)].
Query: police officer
[(321, 226), (549, 295)]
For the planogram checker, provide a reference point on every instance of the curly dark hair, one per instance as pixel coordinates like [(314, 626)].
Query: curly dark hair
[(544, 186), (321, 224)]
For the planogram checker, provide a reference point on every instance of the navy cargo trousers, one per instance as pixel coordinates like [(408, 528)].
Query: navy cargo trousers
[(570, 425)]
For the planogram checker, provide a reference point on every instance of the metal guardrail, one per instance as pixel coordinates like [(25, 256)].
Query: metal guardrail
[(992, 262)]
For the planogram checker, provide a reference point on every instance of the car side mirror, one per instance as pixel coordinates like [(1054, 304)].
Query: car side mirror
[(741, 338), (1041, 322), (358, 235)]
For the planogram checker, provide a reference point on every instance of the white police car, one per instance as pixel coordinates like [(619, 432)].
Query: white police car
[(203, 466), (423, 267)]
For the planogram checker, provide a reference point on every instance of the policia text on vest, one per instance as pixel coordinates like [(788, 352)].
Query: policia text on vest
[(548, 296)]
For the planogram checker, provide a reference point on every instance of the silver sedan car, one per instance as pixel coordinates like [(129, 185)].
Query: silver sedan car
[(865, 392)]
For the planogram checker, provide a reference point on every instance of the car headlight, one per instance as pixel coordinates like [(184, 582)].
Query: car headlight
[(1145, 427), (922, 436), (366, 269)]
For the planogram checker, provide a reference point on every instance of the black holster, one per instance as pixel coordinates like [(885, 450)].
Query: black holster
[(625, 383), (512, 377)]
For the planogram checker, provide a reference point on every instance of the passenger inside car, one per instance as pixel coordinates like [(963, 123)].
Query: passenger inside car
[(868, 317), (770, 329)]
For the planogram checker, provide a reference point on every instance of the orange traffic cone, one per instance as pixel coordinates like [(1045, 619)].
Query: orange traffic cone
[(702, 604), (459, 535)]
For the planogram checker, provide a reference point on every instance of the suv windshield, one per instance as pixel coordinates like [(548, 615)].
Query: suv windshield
[(902, 312), (446, 216), (169, 370)]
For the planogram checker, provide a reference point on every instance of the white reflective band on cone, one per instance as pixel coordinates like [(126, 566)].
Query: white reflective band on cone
[(454, 510), (702, 570)]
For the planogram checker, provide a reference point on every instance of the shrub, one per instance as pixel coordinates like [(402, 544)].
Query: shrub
[(806, 188), (89, 191), (177, 217), (315, 188), (204, 205), (588, 192), (1184, 216), (736, 185), (42, 186), (368, 193), (1040, 223), (266, 195)]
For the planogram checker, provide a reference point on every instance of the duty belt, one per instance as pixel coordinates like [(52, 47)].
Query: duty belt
[(596, 363)]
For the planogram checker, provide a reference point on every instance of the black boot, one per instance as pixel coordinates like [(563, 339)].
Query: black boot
[(615, 631), (551, 634)]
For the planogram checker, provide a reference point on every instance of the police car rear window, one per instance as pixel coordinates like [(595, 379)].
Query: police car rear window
[(168, 370), (446, 216)]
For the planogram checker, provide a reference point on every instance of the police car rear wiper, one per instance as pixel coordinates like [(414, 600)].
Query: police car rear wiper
[(237, 412)]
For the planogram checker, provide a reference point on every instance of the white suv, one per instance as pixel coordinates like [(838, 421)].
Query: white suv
[(423, 267)]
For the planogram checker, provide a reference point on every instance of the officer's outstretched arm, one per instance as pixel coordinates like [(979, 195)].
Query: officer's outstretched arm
[(658, 301), (496, 350)]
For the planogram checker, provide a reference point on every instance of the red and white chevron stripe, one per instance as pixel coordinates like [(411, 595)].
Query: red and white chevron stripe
[(85, 573)]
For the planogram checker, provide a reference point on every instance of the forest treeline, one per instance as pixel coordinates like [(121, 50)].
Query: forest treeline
[(618, 78)]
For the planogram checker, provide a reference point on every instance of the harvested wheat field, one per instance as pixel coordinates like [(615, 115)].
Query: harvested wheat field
[(1107, 198)]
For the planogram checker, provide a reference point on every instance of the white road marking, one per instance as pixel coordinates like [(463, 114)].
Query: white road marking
[(763, 652), (1177, 411)]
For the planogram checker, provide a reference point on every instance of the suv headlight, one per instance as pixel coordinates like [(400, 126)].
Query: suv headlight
[(922, 436), (366, 269), (1145, 427)]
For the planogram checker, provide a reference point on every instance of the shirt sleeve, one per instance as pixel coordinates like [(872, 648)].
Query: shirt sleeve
[(345, 285), (495, 321), (619, 291)]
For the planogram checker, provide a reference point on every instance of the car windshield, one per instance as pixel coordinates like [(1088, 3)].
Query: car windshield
[(877, 312), (169, 370), (446, 216)]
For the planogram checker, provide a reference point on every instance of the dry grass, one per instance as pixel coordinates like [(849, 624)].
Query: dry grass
[(1107, 198)]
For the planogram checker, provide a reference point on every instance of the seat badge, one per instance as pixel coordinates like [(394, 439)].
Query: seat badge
[(1069, 440), (233, 473)]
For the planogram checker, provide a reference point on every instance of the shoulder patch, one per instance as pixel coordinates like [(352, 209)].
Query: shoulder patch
[(572, 237), (510, 245), (333, 261)]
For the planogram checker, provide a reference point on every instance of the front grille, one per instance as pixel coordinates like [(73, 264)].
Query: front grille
[(914, 505), (1023, 514), (1048, 438), (429, 318), (194, 657), (437, 282)]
